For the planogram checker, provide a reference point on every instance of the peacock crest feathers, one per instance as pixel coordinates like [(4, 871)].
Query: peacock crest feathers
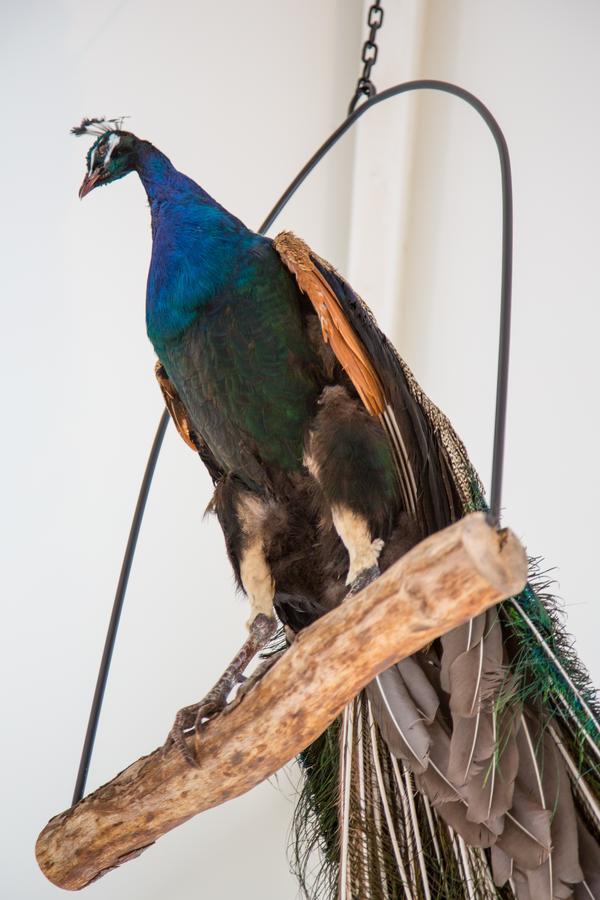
[(98, 126)]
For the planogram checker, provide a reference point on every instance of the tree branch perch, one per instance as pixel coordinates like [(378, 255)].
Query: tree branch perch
[(445, 580)]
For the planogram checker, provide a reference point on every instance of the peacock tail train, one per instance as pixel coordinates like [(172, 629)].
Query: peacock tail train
[(471, 770)]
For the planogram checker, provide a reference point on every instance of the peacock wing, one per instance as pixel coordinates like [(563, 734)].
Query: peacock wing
[(426, 452), (182, 421)]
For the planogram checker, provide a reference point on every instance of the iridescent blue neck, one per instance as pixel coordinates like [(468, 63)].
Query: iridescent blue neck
[(195, 249), (161, 179)]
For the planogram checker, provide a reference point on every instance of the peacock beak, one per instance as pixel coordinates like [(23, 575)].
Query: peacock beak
[(89, 183)]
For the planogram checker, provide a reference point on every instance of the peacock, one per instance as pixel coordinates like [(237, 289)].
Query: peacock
[(471, 769)]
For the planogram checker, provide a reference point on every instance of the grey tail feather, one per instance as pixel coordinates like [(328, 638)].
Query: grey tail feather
[(390, 842)]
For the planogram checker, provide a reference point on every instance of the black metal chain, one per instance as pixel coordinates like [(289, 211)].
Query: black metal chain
[(364, 85)]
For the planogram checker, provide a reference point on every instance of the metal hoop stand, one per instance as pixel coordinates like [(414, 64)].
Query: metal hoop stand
[(501, 384)]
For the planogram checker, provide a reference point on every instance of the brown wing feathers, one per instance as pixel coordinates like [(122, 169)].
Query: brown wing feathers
[(177, 410), (336, 329), (350, 351), (181, 420)]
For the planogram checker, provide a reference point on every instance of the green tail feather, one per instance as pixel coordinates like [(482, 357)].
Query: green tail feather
[(540, 678), (314, 848)]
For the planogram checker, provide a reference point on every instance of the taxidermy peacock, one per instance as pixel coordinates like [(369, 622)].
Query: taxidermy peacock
[(470, 770)]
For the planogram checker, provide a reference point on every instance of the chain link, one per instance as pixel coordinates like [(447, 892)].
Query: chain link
[(364, 85)]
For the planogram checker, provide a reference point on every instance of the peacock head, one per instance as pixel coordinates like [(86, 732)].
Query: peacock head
[(112, 155)]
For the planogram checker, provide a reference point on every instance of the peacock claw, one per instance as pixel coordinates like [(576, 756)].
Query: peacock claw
[(190, 718), (364, 578)]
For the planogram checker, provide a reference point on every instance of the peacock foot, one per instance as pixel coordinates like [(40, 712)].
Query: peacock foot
[(364, 578), (191, 718)]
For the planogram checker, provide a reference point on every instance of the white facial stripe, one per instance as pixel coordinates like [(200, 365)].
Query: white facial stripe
[(112, 143)]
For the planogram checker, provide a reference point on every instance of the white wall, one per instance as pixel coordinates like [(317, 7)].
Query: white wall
[(239, 95)]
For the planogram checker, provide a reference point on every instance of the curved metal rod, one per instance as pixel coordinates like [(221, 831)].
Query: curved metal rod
[(113, 625), (501, 388)]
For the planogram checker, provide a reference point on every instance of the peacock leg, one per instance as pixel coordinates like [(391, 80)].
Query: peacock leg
[(363, 552), (257, 675), (348, 455), (245, 514), (192, 717)]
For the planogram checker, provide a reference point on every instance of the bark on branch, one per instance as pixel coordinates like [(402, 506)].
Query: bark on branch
[(447, 579)]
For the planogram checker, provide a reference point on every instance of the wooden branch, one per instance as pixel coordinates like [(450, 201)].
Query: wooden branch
[(447, 579)]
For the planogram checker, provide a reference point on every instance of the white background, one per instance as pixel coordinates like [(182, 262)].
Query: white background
[(239, 95)]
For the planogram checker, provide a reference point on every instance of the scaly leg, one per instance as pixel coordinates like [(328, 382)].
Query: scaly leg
[(191, 717), (249, 683)]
